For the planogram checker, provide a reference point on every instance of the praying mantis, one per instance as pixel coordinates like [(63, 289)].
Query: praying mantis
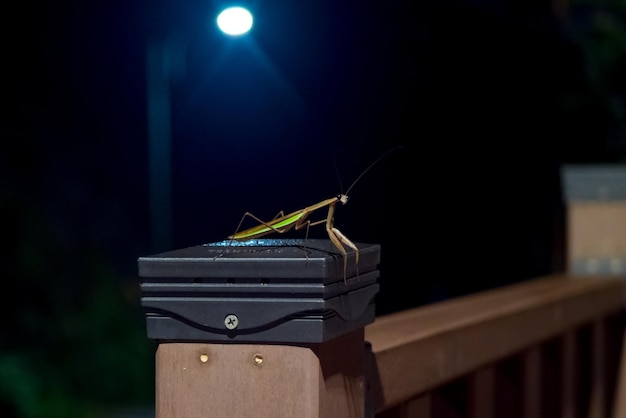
[(299, 219)]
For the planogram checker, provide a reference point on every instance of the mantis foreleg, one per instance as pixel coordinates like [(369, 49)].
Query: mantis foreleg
[(338, 239)]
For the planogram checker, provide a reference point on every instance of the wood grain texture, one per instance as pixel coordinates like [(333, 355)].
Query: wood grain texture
[(250, 380)]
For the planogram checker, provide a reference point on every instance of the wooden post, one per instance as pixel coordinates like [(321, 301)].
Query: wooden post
[(596, 219), (596, 225), (324, 380), (263, 329)]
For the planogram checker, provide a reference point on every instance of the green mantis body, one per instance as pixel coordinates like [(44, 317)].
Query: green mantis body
[(298, 220)]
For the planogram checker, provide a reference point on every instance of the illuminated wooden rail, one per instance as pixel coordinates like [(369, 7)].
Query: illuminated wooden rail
[(548, 347)]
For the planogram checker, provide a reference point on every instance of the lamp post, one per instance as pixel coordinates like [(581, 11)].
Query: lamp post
[(163, 61)]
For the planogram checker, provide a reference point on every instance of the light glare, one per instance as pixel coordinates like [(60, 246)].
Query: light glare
[(234, 21)]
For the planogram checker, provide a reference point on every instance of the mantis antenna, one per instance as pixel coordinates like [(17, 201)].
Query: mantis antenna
[(397, 147)]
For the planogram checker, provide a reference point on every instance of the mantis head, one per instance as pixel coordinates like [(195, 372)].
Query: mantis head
[(343, 198)]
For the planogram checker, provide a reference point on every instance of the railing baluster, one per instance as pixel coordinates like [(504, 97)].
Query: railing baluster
[(419, 407), (619, 403), (532, 388), (482, 393), (597, 408), (569, 374)]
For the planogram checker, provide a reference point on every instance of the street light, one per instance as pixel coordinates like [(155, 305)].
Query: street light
[(235, 21), (163, 62)]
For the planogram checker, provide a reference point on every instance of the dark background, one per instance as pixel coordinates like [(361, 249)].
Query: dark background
[(489, 100)]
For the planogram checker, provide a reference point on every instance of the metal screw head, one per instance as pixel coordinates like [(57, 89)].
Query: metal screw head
[(231, 321)]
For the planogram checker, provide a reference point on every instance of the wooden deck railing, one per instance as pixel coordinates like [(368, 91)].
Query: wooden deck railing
[(548, 347)]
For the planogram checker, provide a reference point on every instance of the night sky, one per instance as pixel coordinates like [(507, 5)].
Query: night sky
[(289, 116)]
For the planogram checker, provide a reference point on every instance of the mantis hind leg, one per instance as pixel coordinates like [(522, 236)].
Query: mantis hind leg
[(278, 215), (262, 222)]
